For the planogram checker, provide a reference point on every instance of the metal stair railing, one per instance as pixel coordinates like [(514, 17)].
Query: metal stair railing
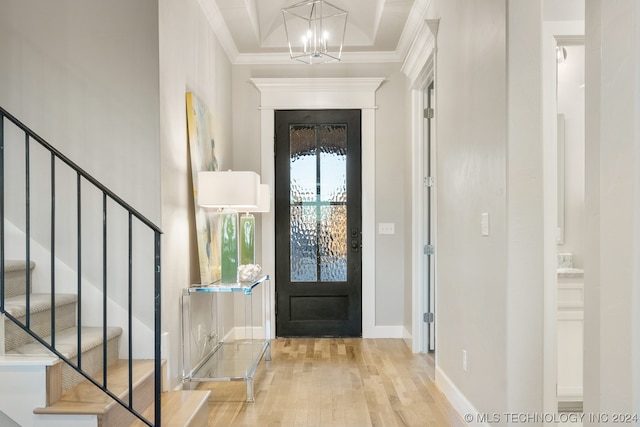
[(82, 177)]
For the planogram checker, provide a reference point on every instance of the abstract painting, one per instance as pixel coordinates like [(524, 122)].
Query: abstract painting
[(203, 158)]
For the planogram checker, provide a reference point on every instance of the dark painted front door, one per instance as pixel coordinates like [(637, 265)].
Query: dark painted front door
[(318, 212)]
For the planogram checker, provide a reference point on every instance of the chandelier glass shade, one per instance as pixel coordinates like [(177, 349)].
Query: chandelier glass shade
[(315, 31)]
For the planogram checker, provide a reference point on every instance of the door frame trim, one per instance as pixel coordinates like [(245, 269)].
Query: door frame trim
[(320, 94), (422, 72)]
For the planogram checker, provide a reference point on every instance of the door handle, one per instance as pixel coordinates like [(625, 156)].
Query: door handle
[(355, 240)]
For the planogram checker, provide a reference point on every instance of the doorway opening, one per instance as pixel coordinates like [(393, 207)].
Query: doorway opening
[(428, 267), (571, 196)]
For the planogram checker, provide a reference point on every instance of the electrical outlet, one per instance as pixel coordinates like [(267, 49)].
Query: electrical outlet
[(199, 333), (464, 360)]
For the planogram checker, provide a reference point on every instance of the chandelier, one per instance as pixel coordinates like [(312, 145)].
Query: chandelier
[(315, 31)]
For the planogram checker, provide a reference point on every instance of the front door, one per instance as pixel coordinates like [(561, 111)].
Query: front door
[(318, 208)]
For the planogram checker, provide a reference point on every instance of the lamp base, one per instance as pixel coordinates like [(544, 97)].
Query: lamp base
[(247, 239), (229, 246)]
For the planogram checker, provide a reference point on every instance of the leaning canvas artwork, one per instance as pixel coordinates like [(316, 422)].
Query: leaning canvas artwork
[(203, 158)]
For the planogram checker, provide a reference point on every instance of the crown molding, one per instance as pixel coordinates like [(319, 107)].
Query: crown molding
[(566, 40), (219, 26), (420, 53), (414, 24)]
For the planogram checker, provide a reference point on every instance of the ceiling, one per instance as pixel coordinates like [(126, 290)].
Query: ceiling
[(252, 31)]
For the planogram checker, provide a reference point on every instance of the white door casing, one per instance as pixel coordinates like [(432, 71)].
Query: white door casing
[(326, 93)]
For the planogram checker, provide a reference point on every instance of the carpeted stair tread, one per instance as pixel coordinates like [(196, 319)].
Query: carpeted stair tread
[(17, 265), (17, 306), (40, 317), (67, 341), (15, 277)]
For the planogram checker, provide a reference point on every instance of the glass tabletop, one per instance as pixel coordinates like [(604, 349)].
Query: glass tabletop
[(244, 287)]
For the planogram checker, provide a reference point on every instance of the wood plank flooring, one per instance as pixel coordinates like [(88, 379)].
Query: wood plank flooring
[(336, 382)]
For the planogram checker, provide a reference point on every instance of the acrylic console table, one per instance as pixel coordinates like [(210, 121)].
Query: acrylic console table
[(216, 354)]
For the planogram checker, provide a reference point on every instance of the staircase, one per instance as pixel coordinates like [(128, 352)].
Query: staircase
[(69, 394), (59, 366), (18, 342)]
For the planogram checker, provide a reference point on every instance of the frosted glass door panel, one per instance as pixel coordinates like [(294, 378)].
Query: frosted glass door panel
[(304, 249), (318, 197)]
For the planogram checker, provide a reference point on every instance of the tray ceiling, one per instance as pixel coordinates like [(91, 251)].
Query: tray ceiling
[(252, 31)]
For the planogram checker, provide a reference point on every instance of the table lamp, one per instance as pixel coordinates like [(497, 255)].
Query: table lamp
[(248, 227), (228, 191)]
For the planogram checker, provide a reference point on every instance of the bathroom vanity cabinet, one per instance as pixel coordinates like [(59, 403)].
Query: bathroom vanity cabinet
[(570, 338)]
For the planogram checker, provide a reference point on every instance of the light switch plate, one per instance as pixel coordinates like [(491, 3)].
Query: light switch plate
[(386, 228), (484, 222)]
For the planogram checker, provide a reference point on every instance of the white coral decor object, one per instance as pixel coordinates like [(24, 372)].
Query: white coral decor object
[(247, 272)]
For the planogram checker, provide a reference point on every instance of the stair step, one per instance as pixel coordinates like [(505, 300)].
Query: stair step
[(67, 344), (87, 399), (187, 408), (40, 318), (15, 277)]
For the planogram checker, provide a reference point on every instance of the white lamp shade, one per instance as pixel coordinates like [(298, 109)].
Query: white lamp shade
[(233, 189), (264, 204)]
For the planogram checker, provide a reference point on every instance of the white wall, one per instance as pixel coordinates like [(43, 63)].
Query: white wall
[(471, 179), (530, 232), (390, 151), (490, 160), (566, 10), (106, 84), (191, 59), (84, 76), (612, 200)]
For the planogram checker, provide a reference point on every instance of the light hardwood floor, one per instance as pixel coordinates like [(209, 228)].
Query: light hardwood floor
[(336, 382)]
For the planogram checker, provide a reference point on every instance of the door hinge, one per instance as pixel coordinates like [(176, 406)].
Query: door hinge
[(429, 250), (427, 317), (428, 181), (429, 113)]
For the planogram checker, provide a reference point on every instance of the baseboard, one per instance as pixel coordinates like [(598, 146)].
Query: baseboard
[(406, 334), (245, 333), (570, 394), (571, 406), (383, 332), (459, 401), (408, 338)]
